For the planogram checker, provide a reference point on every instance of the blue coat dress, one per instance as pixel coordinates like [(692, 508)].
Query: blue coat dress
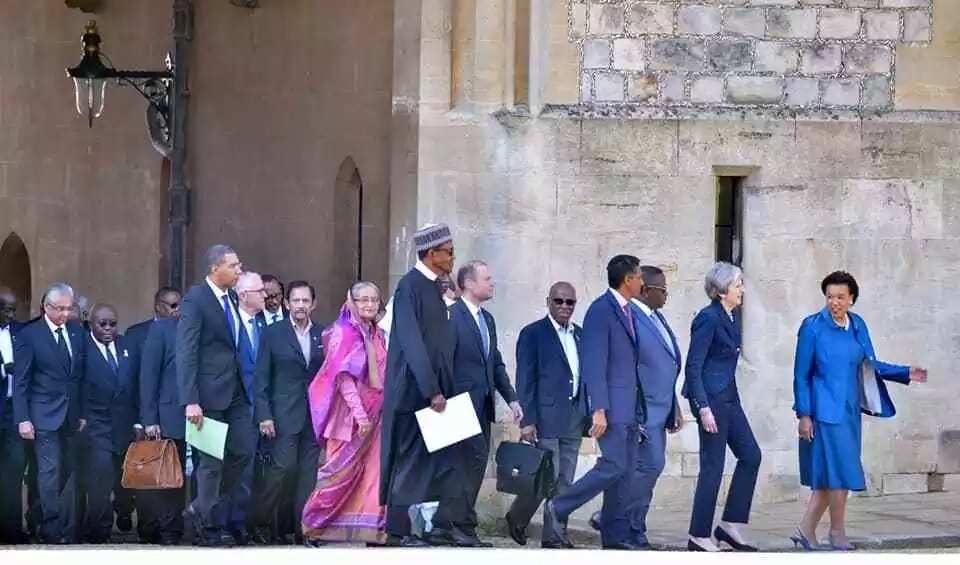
[(827, 388)]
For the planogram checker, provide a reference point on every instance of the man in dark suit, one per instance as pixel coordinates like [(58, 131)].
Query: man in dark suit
[(12, 456), (478, 368), (47, 406), (274, 309), (615, 395), (419, 374), (290, 355), (553, 399), (166, 304), (111, 400), (210, 385), (162, 417), (659, 359)]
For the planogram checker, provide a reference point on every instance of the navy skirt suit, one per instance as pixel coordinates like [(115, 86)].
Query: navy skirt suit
[(826, 385), (710, 381)]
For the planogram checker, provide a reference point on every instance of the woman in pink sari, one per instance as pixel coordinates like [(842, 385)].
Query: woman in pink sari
[(346, 399)]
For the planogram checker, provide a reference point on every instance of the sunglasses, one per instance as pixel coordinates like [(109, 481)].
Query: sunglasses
[(662, 289), (171, 305), (562, 301), (107, 323)]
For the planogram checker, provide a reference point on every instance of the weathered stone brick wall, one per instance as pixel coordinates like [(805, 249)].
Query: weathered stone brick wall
[(790, 53)]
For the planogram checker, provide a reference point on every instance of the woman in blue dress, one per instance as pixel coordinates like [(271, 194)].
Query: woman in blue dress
[(833, 347)]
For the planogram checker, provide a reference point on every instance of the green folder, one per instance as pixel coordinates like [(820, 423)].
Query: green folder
[(211, 439)]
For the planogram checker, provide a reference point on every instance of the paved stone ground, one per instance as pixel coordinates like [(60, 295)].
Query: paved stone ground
[(899, 523)]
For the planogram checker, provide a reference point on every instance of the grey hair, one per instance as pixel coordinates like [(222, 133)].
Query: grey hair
[(360, 285), (719, 278), (57, 289), (243, 283), (216, 253)]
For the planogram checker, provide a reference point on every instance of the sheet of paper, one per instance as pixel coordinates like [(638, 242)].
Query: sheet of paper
[(457, 422), (210, 439)]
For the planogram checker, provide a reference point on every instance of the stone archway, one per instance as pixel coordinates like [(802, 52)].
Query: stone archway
[(347, 227), (15, 272)]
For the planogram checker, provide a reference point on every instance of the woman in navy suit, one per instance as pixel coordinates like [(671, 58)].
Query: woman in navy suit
[(834, 352), (711, 387)]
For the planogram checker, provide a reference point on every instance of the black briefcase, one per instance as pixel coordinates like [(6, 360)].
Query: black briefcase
[(524, 469)]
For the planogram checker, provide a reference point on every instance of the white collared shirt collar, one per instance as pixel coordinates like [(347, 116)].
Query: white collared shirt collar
[(246, 317), (425, 270), (647, 311), (620, 299), (112, 346), (474, 309), (53, 327), (217, 291), (296, 328), (269, 315), (558, 327)]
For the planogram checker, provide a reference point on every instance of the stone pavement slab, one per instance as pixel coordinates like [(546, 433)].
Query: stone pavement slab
[(929, 520)]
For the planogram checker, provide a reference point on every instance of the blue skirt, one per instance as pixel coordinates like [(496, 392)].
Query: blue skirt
[(832, 459)]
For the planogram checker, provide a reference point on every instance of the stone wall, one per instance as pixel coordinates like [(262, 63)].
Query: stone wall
[(790, 53)]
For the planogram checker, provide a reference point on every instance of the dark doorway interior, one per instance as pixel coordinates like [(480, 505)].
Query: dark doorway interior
[(15, 272), (348, 224)]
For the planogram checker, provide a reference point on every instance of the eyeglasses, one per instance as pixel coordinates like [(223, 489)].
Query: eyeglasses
[(255, 290), (171, 305), (447, 250), (60, 309), (273, 296), (107, 323), (662, 289), (562, 301), (366, 300)]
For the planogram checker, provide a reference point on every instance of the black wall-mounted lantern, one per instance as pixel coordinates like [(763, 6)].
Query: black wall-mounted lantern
[(91, 76)]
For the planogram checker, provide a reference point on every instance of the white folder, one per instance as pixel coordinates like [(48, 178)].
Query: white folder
[(869, 389), (457, 422)]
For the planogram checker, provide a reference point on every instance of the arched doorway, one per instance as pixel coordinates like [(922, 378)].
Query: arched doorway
[(347, 227), (15, 272)]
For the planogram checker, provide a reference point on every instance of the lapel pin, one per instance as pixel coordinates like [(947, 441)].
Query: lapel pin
[(125, 354)]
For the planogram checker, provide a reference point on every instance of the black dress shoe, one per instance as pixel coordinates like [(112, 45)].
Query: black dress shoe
[(241, 538), (723, 536), (169, 539), (307, 542), (413, 541), (124, 523), (468, 538), (555, 529), (517, 533), (553, 545), (262, 536), (226, 538)]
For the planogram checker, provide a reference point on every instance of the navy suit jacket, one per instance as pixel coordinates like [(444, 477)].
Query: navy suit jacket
[(208, 363), (713, 354), (46, 388), (659, 368), (282, 376), (472, 370), (159, 401), (545, 380), (609, 365), (111, 400)]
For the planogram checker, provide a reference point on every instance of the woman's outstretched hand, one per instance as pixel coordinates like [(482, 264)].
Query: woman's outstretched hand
[(918, 375)]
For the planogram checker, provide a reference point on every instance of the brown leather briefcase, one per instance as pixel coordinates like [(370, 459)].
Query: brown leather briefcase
[(152, 465)]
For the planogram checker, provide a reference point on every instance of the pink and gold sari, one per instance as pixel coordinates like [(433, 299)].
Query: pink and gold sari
[(347, 392)]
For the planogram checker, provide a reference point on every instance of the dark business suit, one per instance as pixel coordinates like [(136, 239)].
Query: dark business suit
[(609, 371), (47, 383), (112, 408), (659, 364), (710, 381), (12, 455), (481, 373), (160, 405), (545, 389), (208, 374), (282, 376)]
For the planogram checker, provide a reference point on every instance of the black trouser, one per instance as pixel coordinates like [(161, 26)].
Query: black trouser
[(289, 456), (216, 479), (103, 469), (162, 510), (12, 463), (57, 484), (473, 455), (33, 489)]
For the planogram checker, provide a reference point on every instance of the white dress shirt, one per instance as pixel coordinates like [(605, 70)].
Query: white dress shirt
[(475, 312), (66, 334), (425, 270), (273, 317), (103, 347), (620, 299), (568, 342), (219, 293), (6, 351), (303, 337), (655, 320)]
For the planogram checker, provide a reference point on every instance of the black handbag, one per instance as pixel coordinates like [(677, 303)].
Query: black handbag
[(524, 469)]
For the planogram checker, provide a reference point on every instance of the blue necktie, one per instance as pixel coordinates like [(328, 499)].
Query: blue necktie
[(112, 360), (228, 312), (664, 334), (484, 332), (254, 336)]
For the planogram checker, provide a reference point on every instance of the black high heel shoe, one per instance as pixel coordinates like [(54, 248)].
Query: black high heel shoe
[(723, 536)]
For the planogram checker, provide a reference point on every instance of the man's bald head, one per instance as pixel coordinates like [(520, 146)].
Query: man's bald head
[(8, 305), (104, 322)]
